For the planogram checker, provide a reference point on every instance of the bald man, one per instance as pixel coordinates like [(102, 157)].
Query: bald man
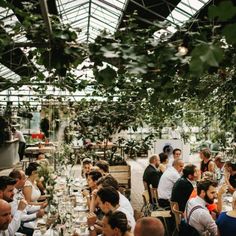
[(148, 226), (5, 217)]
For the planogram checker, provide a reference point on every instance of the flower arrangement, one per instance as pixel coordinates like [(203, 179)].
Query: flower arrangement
[(48, 179)]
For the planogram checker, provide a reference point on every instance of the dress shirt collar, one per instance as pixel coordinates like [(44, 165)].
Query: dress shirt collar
[(153, 166), (201, 201), (192, 182), (172, 169)]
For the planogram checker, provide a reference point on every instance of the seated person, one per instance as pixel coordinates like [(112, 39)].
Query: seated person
[(183, 187), (41, 158), (164, 159), (92, 179), (107, 181), (230, 176), (30, 190), (207, 164), (108, 200), (226, 221), (86, 167), (151, 175), (116, 224), (103, 167)]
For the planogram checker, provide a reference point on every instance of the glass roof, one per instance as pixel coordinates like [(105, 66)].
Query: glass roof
[(90, 17)]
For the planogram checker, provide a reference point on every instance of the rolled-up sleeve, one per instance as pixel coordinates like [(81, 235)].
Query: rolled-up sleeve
[(209, 224), (15, 223)]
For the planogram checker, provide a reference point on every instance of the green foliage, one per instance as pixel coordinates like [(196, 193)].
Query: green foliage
[(229, 32), (223, 12), (99, 120), (203, 56), (149, 79)]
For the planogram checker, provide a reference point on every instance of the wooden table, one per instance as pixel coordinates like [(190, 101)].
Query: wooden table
[(37, 150)]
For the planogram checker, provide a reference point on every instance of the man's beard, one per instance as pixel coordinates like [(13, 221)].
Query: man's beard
[(208, 200), (8, 199), (4, 226)]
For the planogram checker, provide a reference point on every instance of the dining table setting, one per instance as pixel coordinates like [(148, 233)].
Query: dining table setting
[(67, 212)]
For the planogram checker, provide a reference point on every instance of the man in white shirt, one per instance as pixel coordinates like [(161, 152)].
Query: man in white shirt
[(167, 181), (5, 217), (108, 200), (175, 155), (220, 163), (7, 194), (197, 214), (109, 180), (174, 133), (18, 135), (31, 213)]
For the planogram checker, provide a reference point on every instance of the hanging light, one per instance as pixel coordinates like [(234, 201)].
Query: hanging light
[(182, 50)]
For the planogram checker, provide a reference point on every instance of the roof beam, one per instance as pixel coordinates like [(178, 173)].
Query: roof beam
[(89, 19), (152, 12), (44, 11)]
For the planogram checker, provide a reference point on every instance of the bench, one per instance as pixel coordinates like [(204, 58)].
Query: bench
[(123, 175)]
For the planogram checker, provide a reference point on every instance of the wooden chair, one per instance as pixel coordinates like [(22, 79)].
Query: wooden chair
[(146, 208), (177, 214), (157, 211), (154, 196)]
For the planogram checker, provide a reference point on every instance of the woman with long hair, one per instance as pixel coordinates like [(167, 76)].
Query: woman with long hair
[(30, 190)]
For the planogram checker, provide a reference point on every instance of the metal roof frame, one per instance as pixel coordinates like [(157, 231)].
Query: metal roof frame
[(92, 17)]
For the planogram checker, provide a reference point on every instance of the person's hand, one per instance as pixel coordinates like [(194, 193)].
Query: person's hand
[(22, 204), (223, 188), (226, 175), (43, 205), (85, 192), (75, 233), (91, 219), (40, 213), (213, 215), (94, 193)]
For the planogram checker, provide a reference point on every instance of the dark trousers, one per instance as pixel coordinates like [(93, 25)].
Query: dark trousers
[(21, 150), (165, 203), (26, 231)]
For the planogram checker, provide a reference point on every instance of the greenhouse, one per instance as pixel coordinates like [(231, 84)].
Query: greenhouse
[(117, 118)]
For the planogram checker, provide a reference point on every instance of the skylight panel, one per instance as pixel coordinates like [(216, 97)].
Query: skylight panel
[(104, 10), (104, 14), (189, 9), (8, 74), (105, 17)]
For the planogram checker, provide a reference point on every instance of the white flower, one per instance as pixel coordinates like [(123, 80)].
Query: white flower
[(49, 187)]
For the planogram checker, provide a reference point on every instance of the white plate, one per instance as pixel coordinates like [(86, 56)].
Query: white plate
[(228, 198), (86, 233), (81, 221), (41, 221), (80, 208)]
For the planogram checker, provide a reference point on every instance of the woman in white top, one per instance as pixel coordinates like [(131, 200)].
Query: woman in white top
[(30, 190)]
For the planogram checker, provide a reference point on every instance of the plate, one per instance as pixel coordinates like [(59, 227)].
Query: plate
[(85, 233), (81, 221), (81, 208), (41, 221), (228, 199)]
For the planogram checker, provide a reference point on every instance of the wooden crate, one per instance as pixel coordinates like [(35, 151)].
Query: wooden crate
[(123, 175)]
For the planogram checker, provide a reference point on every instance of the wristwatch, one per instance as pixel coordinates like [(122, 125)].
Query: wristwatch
[(91, 228)]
